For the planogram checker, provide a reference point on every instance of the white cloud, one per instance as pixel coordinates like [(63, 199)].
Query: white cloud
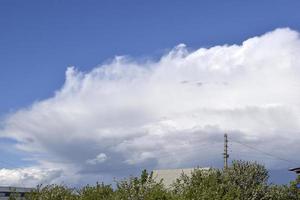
[(99, 159), (28, 176), (169, 113)]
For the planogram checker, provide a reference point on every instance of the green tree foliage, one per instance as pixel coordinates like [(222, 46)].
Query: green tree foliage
[(99, 192), (200, 185), (279, 192), (245, 180), (13, 195), (294, 192), (241, 181), (52, 192), (142, 188)]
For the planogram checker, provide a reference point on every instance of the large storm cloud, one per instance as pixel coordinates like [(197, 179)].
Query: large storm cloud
[(126, 115)]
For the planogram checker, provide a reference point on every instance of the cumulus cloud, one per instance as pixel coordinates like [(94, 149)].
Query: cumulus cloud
[(99, 159), (168, 113), (27, 176)]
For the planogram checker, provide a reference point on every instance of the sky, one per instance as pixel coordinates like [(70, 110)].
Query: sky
[(92, 90)]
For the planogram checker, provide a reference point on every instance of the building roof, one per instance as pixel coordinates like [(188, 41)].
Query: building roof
[(15, 189), (297, 170), (170, 175)]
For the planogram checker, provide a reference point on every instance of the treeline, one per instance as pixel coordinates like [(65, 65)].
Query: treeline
[(241, 181)]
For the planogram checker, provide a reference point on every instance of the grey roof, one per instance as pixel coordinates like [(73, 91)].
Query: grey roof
[(15, 189), (297, 170)]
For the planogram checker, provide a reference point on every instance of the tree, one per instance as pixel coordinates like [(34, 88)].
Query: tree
[(51, 192), (142, 188), (246, 180), (294, 191), (99, 192), (279, 192), (242, 180), (13, 195), (200, 185)]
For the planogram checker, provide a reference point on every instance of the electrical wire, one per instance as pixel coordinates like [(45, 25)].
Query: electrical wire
[(180, 152), (266, 153)]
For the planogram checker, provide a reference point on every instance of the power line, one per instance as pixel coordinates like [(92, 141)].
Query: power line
[(265, 153), (165, 155)]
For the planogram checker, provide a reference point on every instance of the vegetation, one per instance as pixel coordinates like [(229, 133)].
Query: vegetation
[(242, 180)]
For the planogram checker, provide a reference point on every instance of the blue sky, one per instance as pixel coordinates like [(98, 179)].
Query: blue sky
[(40, 39)]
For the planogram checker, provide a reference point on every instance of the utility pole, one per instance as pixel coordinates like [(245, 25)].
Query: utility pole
[(226, 155)]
